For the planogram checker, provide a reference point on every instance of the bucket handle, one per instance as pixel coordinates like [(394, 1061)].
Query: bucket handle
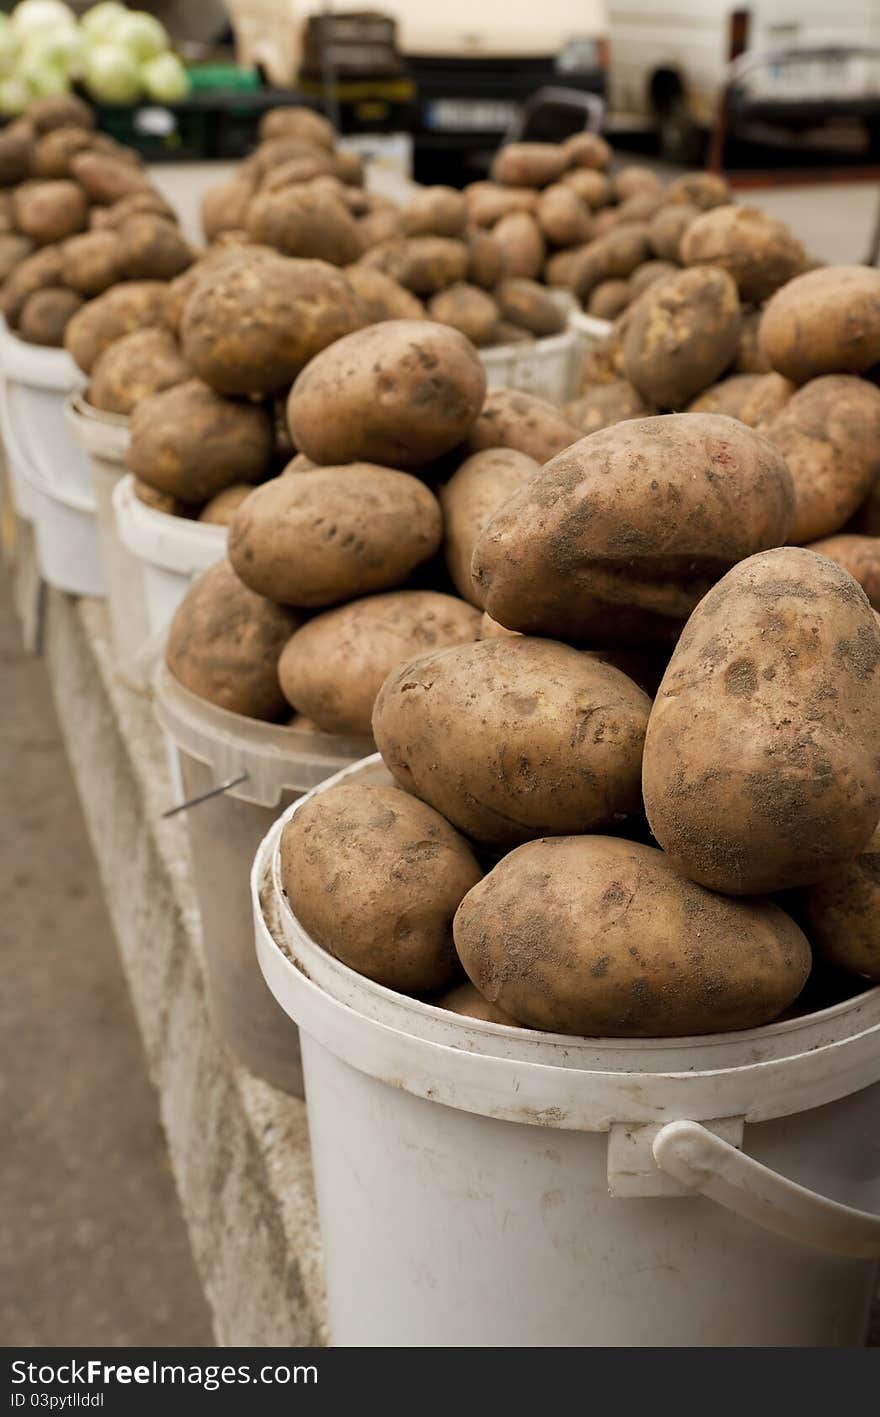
[(704, 1162)]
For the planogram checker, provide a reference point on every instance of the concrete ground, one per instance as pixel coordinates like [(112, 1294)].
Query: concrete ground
[(93, 1248)]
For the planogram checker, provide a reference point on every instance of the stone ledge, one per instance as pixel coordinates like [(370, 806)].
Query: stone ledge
[(239, 1149)]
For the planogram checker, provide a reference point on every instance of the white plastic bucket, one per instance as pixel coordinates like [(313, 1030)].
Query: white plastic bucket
[(104, 438), (212, 747), (481, 1185), (171, 551), (55, 473)]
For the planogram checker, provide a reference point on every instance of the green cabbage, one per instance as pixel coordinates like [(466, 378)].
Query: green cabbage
[(165, 79), (142, 35), (112, 75)]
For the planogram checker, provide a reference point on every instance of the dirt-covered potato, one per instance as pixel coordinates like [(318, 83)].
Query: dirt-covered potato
[(829, 435), (649, 274), (841, 914), (750, 357), (681, 336), (382, 297), (45, 315), (258, 321), (595, 936), (13, 250), (296, 121), (220, 509), (617, 539), (378, 227), (315, 538), (667, 227), (134, 367), (36, 272), (468, 309), (609, 298), (468, 1002), (824, 322), (530, 305), (563, 216), (529, 164), (860, 555), (511, 418), (423, 264), (161, 501), (640, 208), (299, 172), (50, 211), (53, 151), (435, 211), (728, 396), (485, 259), (400, 394), (152, 248), (16, 152), (606, 404), (299, 221), (698, 189), (788, 644), (104, 179), (767, 397), (131, 305), (91, 262), (192, 442), (112, 217), (225, 205), (59, 111), (537, 739), (591, 186), (760, 252), (587, 150), (634, 181), (612, 257), (487, 202), (469, 501), (224, 643), (522, 244), (375, 878), (333, 669)]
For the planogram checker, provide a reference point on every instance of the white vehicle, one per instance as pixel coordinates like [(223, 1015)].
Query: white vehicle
[(797, 63)]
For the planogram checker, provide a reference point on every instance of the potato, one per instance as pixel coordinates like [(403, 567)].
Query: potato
[(375, 878), (699, 189), (729, 396), (633, 181), (53, 151), (603, 362), (424, 264), (435, 211), (608, 299), (401, 394), (512, 334), (824, 322), (468, 309), (277, 152), (563, 217), (36, 272), (224, 206), (191, 442), (468, 1002), (221, 508), (224, 643), (315, 538), (522, 245), (13, 250), (667, 227), (382, 297), (511, 418), (612, 257), (104, 179), (257, 322), (45, 314), (491, 630), (760, 252), (750, 358), (606, 404), (593, 188), (587, 150), (525, 303), (595, 936), (606, 220), (335, 666), (768, 396), (152, 248), (49, 211), (161, 501), (788, 644), (377, 227), (529, 164), (135, 367), (91, 262), (16, 152), (841, 914), (649, 274), (537, 739), (300, 222), (487, 202), (486, 266), (829, 435), (112, 217), (860, 555), (59, 111), (132, 305), (470, 499), (300, 171), (296, 121), (682, 335), (616, 540)]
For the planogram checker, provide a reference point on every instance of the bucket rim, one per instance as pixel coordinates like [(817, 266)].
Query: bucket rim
[(101, 435), (39, 365), (174, 543)]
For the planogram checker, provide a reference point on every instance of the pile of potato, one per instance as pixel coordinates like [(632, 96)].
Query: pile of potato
[(645, 801), (79, 218)]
